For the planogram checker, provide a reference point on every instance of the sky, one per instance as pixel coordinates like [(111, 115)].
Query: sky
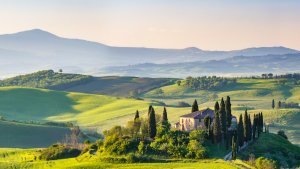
[(206, 24)]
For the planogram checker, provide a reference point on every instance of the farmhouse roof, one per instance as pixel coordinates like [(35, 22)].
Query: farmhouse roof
[(200, 114)]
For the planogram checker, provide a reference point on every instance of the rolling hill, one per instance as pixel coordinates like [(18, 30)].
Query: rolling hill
[(109, 85), (85, 110), (20, 135), (34, 50)]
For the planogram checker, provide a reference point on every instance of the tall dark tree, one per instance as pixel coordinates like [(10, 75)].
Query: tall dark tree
[(250, 127), (165, 123), (165, 115), (246, 126), (217, 130), (254, 128), (150, 109), (228, 111), (223, 117), (273, 104), (137, 115), (207, 121), (217, 108), (233, 151), (152, 124), (240, 131), (279, 104), (195, 106)]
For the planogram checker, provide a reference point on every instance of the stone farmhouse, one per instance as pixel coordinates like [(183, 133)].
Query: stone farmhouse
[(195, 120)]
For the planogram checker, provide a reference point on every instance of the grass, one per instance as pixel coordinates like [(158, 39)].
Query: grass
[(29, 135), (24, 158), (276, 147), (86, 110)]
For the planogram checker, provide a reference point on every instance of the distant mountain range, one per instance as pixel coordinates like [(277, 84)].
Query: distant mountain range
[(233, 66), (36, 49)]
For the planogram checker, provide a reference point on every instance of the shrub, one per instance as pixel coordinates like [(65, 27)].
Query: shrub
[(265, 163), (183, 104), (56, 151), (282, 134)]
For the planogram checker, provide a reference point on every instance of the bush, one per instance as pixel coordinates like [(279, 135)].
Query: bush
[(57, 151), (183, 104), (282, 134), (265, 163)]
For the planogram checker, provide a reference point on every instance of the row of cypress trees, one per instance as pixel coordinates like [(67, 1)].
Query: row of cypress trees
[(246, 131), (152, 124)]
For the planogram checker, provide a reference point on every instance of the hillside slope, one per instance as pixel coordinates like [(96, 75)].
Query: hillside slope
[(110, 85), (276, 147), (22, 135), (86, 110)]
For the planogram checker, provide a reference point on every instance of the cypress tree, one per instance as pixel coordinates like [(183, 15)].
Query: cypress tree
[(165, 115), (223, 117), (165, 122), (240, 131), (149, 110), (246, 126), (273, 104), (254, 128), (250, 127), (152, 124), (217, 108), (262, 121), (137, 115), (279, 104), (228, 111), (217, 130), (233, 151), (195, 106)]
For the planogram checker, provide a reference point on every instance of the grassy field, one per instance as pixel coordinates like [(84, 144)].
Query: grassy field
[(27, 158), (29, 135), (275, 147), (86, 110), (119, 86)]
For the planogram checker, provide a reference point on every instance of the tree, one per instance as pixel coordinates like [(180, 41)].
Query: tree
[(60, 70), (195, 106), (165, 123), (223, 117), (273, 104), (240, 131), (137, 115), (233, 151), (217, 108), (152, 124), (254, 128), (207, 121), (228, 111), (178, 82), (217, 130), (150, 109), (246, 126), (250, 127), (279, 104)]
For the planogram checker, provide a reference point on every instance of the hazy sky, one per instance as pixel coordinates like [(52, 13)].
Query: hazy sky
[(207, 24)]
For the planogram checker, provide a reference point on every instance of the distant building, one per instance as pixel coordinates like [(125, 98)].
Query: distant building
[(195, 120), (289, 105)]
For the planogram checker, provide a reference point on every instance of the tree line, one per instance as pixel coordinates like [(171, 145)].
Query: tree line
[(207, 82)]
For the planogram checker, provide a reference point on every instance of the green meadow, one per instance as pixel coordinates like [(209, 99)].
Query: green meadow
[(27, 158)]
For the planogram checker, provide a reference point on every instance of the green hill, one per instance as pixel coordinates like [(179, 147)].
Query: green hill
[(86, 110), (29, 135), (276, 147), (110, 85)]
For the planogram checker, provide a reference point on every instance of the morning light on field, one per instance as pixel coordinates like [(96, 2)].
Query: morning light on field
[(132, 84)]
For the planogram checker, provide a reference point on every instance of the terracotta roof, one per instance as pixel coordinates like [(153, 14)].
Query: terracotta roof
[(200, 114)]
